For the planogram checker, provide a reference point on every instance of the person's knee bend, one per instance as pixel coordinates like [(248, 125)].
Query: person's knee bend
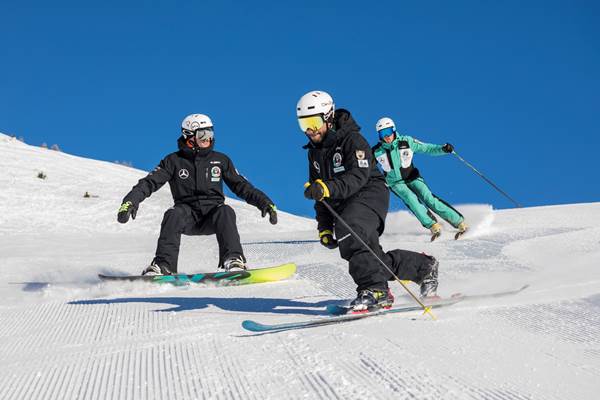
[(175, 213), (346, 248), (225, 210), (402, 191)]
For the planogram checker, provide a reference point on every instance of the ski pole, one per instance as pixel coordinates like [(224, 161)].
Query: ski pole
[(487, 180), (426, 310)]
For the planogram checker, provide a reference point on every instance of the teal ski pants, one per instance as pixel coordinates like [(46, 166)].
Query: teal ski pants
[(418, 198)]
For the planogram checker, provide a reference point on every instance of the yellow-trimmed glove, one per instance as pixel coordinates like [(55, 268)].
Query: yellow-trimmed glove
[(327, 240), (272, 211), (126, 210), (318, 190)]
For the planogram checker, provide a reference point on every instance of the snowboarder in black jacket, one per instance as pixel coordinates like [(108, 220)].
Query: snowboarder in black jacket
[(343, 172), (195, 174)]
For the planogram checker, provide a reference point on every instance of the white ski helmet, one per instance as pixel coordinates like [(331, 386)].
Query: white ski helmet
[(197, 122), (385, 127), (385, 122), (314, 103)]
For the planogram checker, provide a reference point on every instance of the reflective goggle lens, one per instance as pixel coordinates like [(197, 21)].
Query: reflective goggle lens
[(314, 123), (204, 134), (200, 134), (385, 132)]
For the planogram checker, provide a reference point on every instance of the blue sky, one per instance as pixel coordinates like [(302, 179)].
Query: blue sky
[(514, 85)]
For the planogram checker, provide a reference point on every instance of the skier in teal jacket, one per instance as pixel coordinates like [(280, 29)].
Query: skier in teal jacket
[(394, 155)]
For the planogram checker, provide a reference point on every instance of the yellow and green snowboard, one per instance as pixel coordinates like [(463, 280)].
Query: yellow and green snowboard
[(259, 275)]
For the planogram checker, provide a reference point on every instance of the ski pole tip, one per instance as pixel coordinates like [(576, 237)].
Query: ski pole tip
[(427, 310)]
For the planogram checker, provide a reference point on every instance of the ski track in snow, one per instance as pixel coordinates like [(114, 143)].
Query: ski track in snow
[(66, 335)]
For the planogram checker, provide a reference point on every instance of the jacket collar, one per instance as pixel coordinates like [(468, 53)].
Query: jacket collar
[(389, 146), (343, 124), (191, 153)]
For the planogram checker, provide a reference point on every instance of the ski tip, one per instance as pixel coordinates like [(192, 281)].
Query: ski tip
[(252, 326), (112, 277)]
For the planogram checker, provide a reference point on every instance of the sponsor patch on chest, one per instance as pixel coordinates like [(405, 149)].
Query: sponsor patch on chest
[(215, 174), (183, 173), (337, 163)]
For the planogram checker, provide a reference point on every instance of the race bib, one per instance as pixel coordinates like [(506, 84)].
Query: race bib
[(384, 162), (406, 156)]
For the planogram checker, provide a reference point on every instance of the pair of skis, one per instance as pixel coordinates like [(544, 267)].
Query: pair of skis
[(339, 314)]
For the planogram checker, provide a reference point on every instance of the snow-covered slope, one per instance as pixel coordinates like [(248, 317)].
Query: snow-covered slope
[(57, 203), (65, 335)]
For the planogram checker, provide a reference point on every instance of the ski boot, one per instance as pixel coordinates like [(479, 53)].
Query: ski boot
[(233, 264), (155, 269), (372, 300), (429, 283), (436, 231), (462, 228)]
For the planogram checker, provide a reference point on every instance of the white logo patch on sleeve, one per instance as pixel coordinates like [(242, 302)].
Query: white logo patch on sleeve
[(155, 170), (363, 163), (317, 166)]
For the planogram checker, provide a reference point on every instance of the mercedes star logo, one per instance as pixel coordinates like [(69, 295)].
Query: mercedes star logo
[(183, 173)]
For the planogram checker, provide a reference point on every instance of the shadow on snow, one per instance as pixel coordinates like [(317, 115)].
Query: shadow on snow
[(239, 304)]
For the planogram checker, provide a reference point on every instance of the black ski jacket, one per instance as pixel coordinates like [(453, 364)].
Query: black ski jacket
[(196, 178), (345, 163)]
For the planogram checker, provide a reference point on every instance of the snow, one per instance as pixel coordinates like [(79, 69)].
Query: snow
[(66, 335)]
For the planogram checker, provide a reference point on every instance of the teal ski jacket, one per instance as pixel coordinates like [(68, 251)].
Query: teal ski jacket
[(395, 158)]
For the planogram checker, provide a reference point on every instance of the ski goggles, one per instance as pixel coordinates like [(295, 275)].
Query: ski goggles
[(312, 122), (385, 132), (201, 134)]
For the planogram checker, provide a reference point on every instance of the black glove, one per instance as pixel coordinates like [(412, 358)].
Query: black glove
[(127, 209), (448, 148), (317, 190), (327, 240), (272, 211)]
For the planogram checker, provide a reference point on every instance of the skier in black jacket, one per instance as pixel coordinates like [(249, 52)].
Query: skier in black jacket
[(343, 172), (195, 174)]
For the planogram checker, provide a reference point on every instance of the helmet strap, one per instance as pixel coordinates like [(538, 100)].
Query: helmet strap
[(329, 116)]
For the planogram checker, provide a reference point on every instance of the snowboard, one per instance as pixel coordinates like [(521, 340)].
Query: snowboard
[(260, 275)]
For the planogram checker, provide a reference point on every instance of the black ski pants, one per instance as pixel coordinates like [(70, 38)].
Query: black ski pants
[(182, 219), (367, 272)]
